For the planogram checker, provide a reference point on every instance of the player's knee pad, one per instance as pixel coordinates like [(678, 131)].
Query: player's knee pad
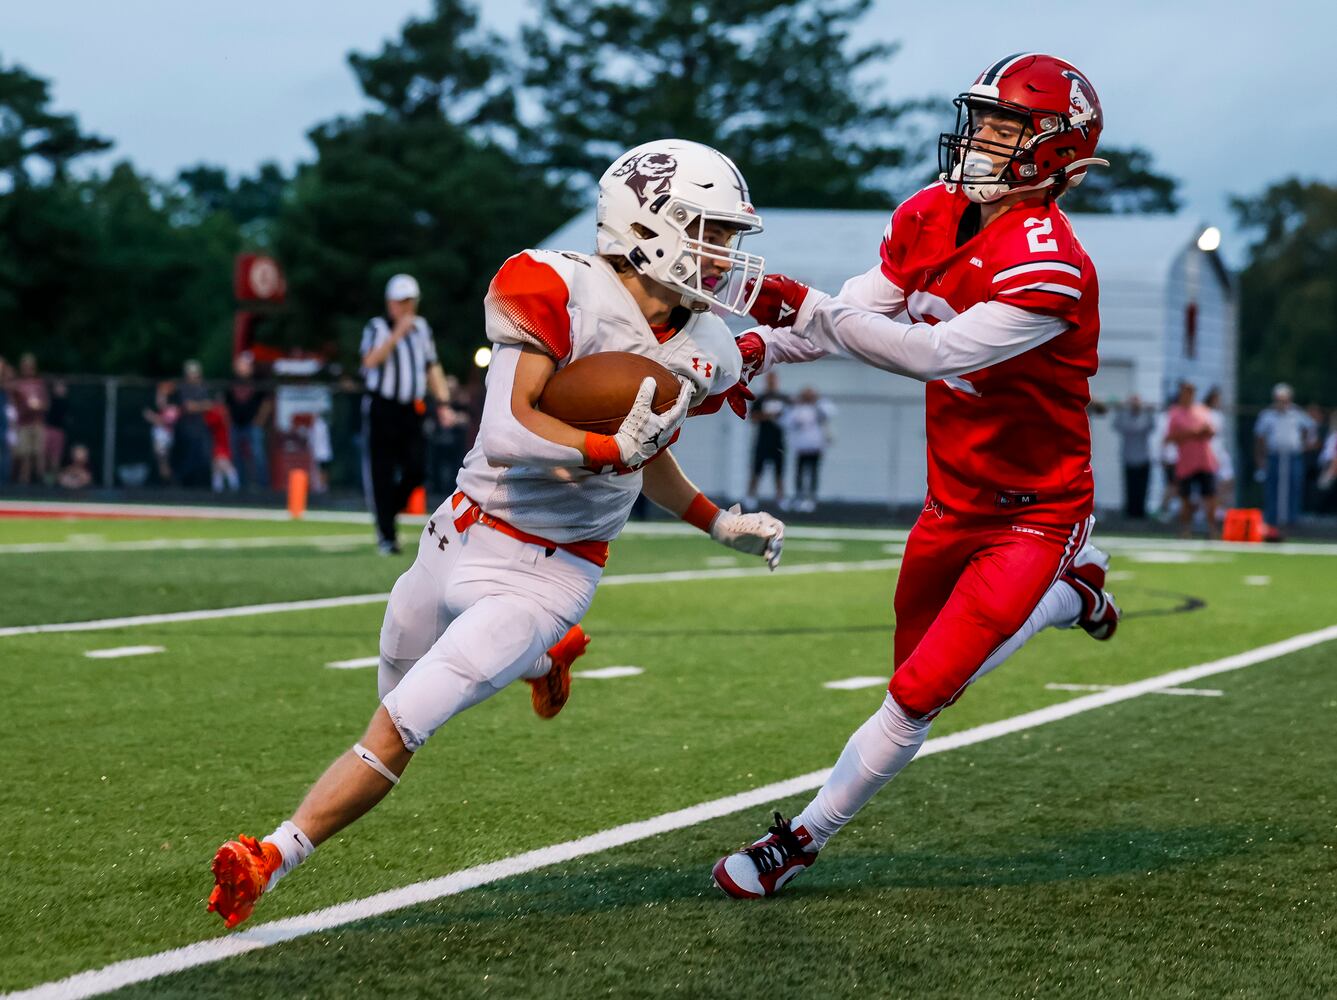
[(389, 672), (483, 650), (918, 699)]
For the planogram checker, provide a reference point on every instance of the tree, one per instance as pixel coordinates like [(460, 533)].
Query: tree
[(775, 84), (1129, 185), (427, 184), (252, 202), (1288, 291), (31, 131)]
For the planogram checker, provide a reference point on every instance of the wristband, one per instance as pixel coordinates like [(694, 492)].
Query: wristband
[(602, 449), (700, 513)]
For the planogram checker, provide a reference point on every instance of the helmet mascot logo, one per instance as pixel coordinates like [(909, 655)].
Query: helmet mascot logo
[(648, 174), (1081, 96)]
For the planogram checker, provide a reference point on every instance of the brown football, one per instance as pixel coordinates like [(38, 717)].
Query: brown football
[(595, 392)]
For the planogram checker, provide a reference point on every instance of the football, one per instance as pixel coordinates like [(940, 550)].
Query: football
[(595, 392)]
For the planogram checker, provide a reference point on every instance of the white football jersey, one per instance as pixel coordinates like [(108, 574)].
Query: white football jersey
[(571, 305)]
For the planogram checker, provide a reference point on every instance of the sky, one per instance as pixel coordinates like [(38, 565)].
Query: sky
[(1228, 96)]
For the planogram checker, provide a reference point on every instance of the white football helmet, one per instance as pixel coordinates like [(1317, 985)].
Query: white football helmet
[(655, 202)]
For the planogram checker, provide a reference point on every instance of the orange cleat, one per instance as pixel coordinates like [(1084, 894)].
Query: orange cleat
[(241, 871), (549, 693)]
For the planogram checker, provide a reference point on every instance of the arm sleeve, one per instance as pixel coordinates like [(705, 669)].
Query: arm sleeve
[(874, 291), (871, 291), (368, 338), (985, 334), (506, 441), (427, 339)]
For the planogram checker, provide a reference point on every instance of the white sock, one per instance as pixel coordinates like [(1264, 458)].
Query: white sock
[(875, 754), (295, 847)]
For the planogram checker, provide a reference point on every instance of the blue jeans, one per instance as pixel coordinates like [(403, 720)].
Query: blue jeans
[(254, 440), (1284, 487)]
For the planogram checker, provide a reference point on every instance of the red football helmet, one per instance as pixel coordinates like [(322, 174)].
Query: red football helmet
[(1062, 120)]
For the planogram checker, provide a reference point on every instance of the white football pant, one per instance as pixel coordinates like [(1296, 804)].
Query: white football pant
[(471, 616)]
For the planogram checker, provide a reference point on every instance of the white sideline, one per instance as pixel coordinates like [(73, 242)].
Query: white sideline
[(186, 544), (1118, 543), (137, 970), (206, 614)]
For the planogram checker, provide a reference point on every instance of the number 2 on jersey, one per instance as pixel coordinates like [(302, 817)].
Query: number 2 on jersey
[(1037, 228)]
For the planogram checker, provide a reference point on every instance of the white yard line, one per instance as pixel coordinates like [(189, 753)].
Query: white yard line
[(117, 652), (856, 683), (670, 576), (608, 673), (360, 662), (1199, 692), (138, 970), (167, 544)]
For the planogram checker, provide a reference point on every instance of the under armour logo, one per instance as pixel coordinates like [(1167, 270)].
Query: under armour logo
[(786, 310), (696, 366), (431, 530)]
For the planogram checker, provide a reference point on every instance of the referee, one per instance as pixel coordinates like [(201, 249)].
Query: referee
[(399, 366)]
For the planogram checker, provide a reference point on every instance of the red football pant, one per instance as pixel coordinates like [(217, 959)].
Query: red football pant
[(966, 585)]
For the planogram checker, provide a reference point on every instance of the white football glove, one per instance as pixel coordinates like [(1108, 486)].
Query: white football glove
[(644, 432), (757, 534)]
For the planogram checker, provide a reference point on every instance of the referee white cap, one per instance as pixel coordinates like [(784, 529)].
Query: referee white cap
[(400, 287)]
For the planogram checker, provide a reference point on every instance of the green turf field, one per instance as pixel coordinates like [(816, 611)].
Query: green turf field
[(1162, 846)]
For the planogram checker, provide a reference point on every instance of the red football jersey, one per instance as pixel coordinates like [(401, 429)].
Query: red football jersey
[(1012, 438)]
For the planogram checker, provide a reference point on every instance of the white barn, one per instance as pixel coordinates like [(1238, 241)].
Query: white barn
[(1167, 313)]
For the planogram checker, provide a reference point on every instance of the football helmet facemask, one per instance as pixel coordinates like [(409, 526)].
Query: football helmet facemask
[(1061, 123), (656, 203)]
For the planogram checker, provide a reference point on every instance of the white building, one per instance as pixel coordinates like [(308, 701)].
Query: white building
[(1167, 313)]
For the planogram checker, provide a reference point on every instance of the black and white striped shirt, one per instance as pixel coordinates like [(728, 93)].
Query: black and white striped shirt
[(402, 376)]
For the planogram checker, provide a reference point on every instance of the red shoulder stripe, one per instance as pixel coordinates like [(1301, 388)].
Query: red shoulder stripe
[(533, 298)]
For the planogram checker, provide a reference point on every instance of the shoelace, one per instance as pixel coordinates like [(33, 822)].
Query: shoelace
[(770, 855)]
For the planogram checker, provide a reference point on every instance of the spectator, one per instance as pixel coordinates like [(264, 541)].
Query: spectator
[(1190, 429), (807, 425), (163, 420), (1169, 457), (768, 447), (31, 402), (77, 475), (248, 408), (222, 473), (5, 423), (1313, 456), (1134, 422), (57, 417), (322, 452), (1225, 461), (400, 367), (1327, 475), (192, 443), (1281, 434)]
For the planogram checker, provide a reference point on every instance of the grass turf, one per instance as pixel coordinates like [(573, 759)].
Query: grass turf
[(160, 758)]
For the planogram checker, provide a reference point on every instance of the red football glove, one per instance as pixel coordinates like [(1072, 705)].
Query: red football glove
[(737, 397), (753, 350), (779, 300)]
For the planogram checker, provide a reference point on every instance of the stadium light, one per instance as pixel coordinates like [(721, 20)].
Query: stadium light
[(483, 357), (1210, 239)]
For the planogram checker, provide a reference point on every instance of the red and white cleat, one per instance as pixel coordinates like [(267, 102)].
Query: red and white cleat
[(242, 868), (549, 693), (765, 867), (1086, 575)]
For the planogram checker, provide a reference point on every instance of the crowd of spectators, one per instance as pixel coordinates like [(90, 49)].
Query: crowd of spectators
[(801, 425), (34, 417), (1294, 454)]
